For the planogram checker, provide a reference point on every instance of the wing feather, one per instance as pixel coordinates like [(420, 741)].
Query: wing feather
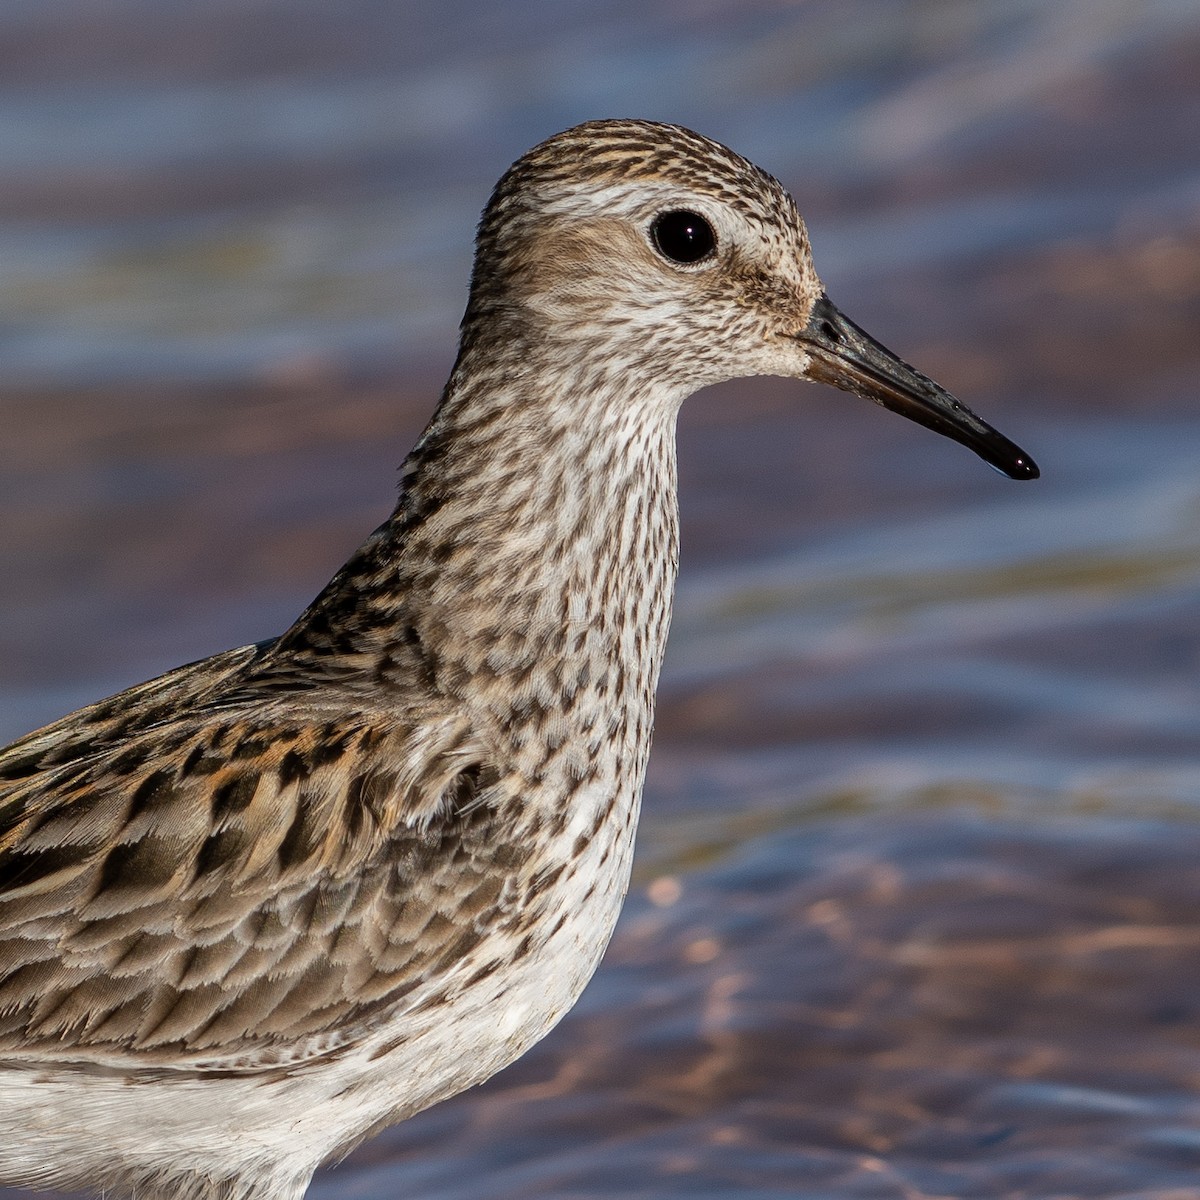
[(207, 885)]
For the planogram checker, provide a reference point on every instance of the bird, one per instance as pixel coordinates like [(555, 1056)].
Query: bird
[(262, 906)]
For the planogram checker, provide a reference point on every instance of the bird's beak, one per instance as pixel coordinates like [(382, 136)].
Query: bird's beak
[(851, 359)]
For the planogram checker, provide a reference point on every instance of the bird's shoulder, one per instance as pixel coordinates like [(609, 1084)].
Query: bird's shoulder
[(88, 732)]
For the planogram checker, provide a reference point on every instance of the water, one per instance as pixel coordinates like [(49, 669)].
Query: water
[(914, 905)]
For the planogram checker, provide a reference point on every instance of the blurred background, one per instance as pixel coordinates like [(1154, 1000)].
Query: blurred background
[(915, 905)]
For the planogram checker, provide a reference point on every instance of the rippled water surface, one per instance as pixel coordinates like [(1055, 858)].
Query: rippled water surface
[(915, 905)]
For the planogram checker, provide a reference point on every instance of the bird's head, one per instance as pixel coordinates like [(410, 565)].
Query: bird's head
[(646, 251)]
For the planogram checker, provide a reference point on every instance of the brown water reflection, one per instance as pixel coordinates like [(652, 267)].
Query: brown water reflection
[(917, 1006), (914, 914)]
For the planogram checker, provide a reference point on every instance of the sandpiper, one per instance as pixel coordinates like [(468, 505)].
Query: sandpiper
[(268, 903)]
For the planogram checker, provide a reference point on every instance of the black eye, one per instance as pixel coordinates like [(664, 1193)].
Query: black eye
[(683, 237)]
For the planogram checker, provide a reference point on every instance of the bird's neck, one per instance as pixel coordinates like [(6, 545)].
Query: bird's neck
[(528, 569)]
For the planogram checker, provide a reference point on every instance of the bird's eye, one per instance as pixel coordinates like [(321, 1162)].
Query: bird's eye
[(683, 237)]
